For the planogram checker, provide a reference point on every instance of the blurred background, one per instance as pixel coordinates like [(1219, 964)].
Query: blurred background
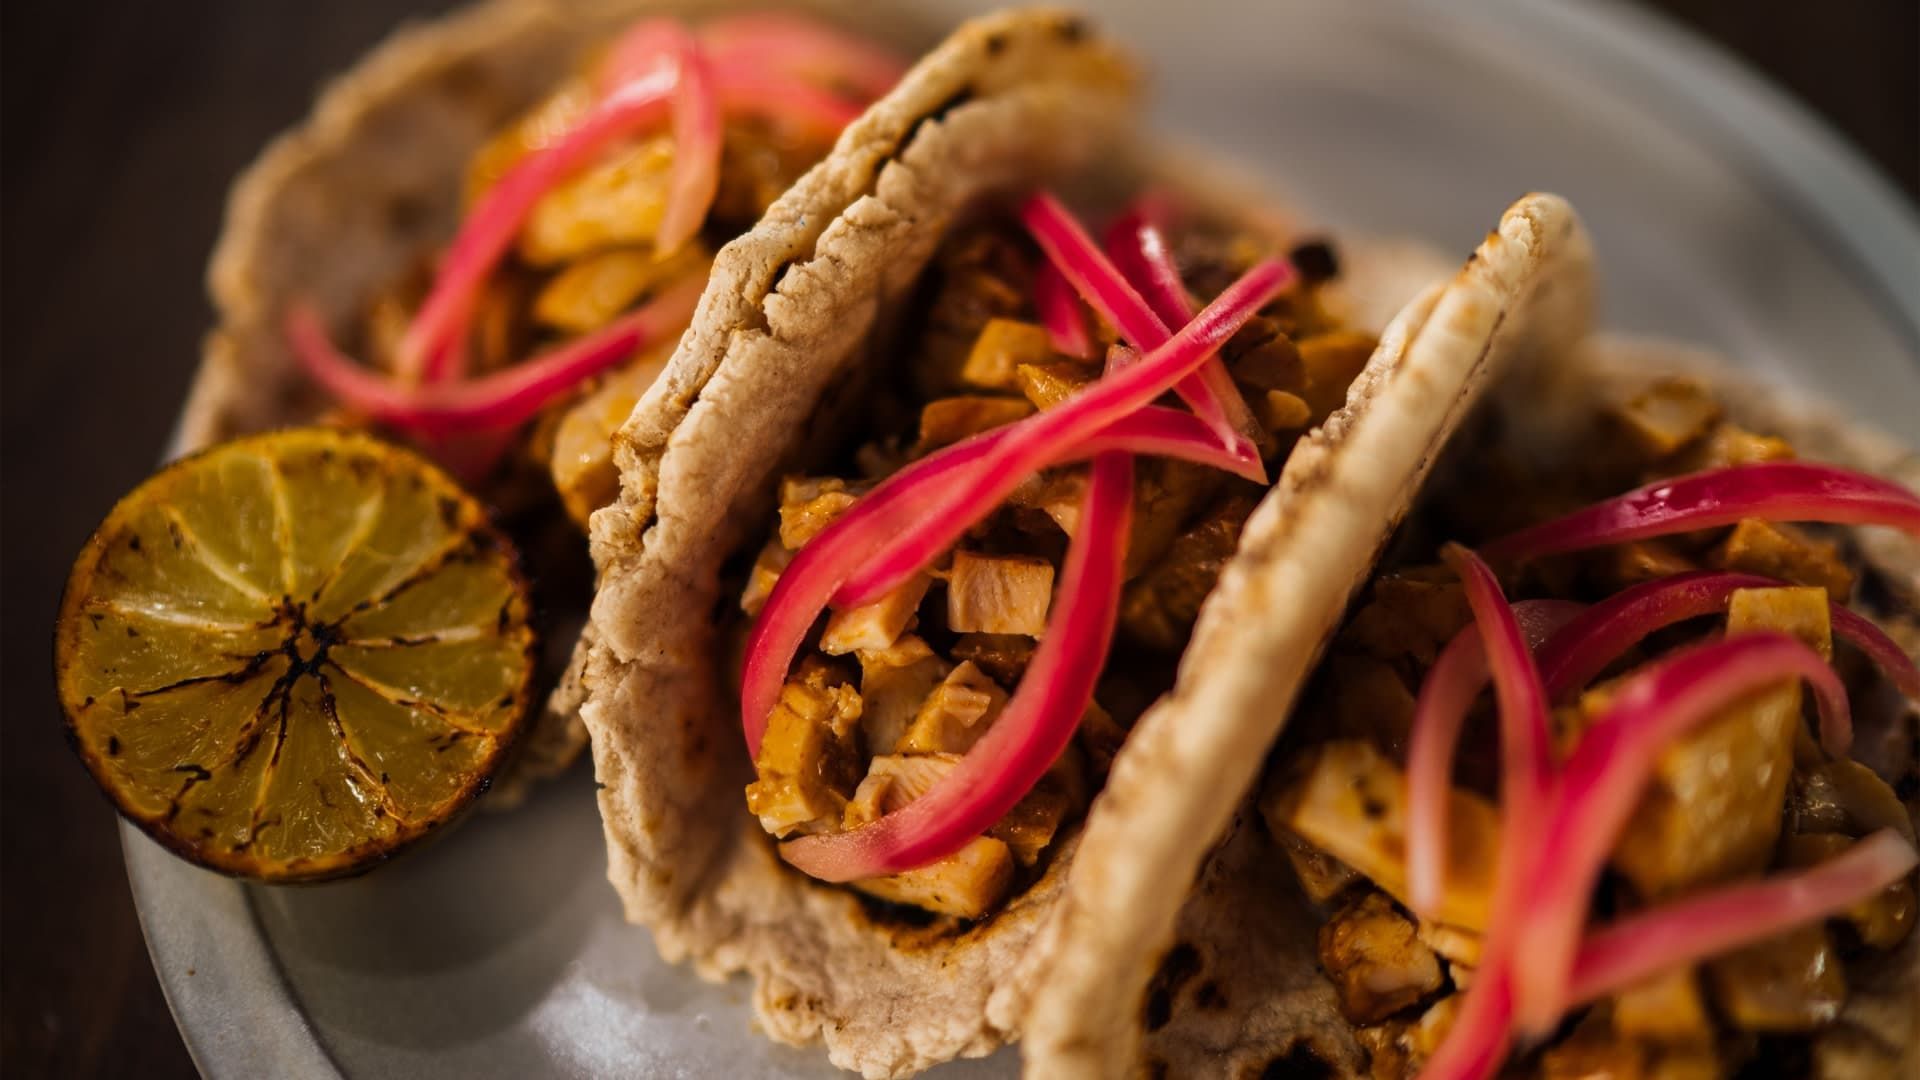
[(123, 124)]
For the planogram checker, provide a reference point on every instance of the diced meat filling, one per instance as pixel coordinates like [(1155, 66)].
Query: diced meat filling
[(1789, 982), (937, 665), (810, 755), (1375, 959), (1782, 551), (998, 594)]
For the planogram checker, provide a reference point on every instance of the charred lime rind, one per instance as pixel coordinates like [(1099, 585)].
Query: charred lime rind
[(477, 532)]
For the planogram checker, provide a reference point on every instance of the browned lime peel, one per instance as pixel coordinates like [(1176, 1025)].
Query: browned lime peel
[(291, 655)]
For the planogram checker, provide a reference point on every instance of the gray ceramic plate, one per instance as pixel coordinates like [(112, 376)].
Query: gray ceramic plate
[(1724, 215)]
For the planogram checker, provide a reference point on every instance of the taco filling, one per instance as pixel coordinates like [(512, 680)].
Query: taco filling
[(953, 634), (587, 232), (1684, 813)]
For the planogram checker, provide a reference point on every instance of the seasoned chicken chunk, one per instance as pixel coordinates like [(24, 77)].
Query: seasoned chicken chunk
[(1714, 809), (877, 625), (1666, 415), (765, 574), (1351, 803), (1330, 362), (945, 421), (955, 714), (1376, 960), (1789, 982), (592, 291), (1779, 550), (615, 202), (582, 455), (810, 755), (998, 594), (893, 781), (1003, 656), (895, 682), (1162, 604), (966, 884), (1003, 345), (1667, 1008), (809, 505), (1049, 384)]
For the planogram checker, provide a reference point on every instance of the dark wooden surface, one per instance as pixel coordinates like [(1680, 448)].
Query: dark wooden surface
[(123, 122)]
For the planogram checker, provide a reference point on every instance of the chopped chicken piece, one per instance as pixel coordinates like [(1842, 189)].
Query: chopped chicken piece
[(998, 594), (1845, 796), (1162, 604), (1778, 550), (590, 292), (966, 884), (1630, 564), (1100, 736), (877, 625), (582, 462), (615, 202), (1262, 356), (1666, 416), (1003, 656), (893, 781), (1884, 919), (1322, 877), (1049, 384), (1330, 362), (894, 682), (1460, 947), (1167, 495), (1035, 820), (955, 714), (1729, 444), (767, 568), (529, 131), (1058, 493), (1376, 961), (1714, 809), (1789, 982), (1411, 613), (1277, 410), (1351, 803), (808, 506), (1667, 1009), (1592, 1053), (947, 420), (1004, 345), (810, 756)]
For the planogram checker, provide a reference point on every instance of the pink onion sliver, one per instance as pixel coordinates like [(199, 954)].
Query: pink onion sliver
[(1775, 490), (1526, 746), (1603, 779), (1102, 286), (490, 228), (1030, 733), (503, 399), (1476, 1044), (1698, 927), (643, 49), (808, 583), (1059, 311), (695, 173), (1032, 443), (1604, 633), (799, 46), (1138, 246), (799, 107), (1446, 696)]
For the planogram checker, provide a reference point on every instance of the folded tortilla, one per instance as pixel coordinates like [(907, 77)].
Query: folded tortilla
[(1238, 991), (345, 203), (772, 370)]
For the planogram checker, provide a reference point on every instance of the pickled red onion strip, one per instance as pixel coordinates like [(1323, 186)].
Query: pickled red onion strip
[(1030, 444), (1060, 311), (1775, 490), (695, 173), (1455, 680), (1138, 247), (800, 107), (642, 49), (809, 582), (1602, 781), (1476, 1043), (1526, 746), (1604, 633), (1101, 285), (490, 228), (1675, 935), (1034, 728), (798, 46), (501, 400)]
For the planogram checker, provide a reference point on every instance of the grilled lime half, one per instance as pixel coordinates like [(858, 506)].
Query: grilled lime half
[(291, 655)]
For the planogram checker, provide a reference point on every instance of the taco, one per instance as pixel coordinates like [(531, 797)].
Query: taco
[(491, 233), (1725, 874), (887, 401)]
